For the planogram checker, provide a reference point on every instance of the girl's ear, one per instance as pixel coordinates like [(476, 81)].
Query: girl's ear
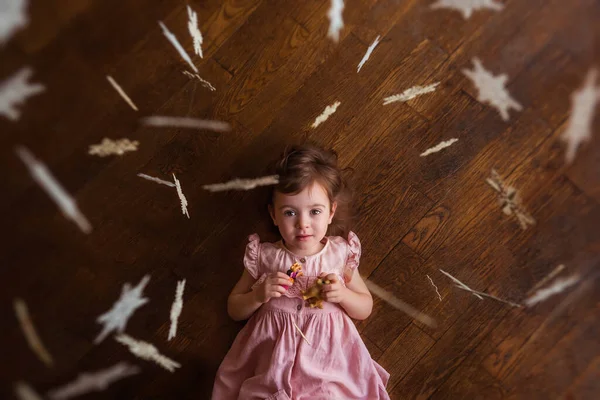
[(272, 214), (333, 208)]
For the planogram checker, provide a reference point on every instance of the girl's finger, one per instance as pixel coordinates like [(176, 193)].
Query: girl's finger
[(287, 281), (275, 294), (279, 289)]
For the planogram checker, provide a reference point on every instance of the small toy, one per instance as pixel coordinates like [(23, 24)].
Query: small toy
[(294, 272), (313, 294)]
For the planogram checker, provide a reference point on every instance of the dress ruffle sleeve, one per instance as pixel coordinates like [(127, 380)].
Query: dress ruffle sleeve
[(354, 252), (252, 256)]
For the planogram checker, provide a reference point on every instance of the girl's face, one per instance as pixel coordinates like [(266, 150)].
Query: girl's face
[(303, 218)]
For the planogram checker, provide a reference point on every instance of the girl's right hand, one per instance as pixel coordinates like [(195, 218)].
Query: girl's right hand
[(273, 286)]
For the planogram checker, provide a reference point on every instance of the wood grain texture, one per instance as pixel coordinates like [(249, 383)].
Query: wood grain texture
[(275, 70)]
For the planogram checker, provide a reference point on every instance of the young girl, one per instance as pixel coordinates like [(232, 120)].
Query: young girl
[(289, 350)]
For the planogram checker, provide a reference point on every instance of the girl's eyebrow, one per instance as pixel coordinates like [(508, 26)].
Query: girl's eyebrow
[(311, 206)]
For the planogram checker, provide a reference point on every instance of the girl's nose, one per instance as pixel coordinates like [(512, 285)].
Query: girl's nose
[(302, 222)]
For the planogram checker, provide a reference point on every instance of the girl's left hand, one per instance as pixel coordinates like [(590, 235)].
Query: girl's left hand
[(335, 292)]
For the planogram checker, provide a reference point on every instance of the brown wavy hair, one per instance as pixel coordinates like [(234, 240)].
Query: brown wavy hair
[(302, 165)]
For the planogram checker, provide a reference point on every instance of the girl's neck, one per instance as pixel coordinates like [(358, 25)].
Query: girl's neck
[(305, 252)]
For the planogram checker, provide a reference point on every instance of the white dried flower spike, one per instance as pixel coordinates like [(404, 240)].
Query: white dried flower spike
[(195, 31), (184, 122), (509, 201), (477, 293), (410, 93), (147, 351), (93, 381), (466, 7), (176, 308), (336, 22), (559, 286), (173, 39), (300, 331), (15, 90), (204, 82), (110, 147), (116, 318), (436, 288), (583, 107), (44, 178), (121, 92), (182, 198), (439, 147), (25, 392), (31, 335), (329, 111), (368, 53), (243, 184), (157, 180), (492, 89), (13, 16)]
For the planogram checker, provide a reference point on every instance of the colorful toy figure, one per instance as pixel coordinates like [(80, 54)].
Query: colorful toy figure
[(294, 272), (313, 294)]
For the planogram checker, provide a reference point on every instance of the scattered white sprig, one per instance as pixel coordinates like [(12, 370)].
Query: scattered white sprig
[(157, 180), (204, 82), (491, 89), (93, 382), (13, 16), (301, 333), (439, 146), (559, 286), (243, 184), (548, 277), (399, 304), (329, 110), (184, 122), (44, 178), (147, 351), (15, 90), (31, 335), (25, 392), (466, 7), (436, 288), (176, 308), (195, 31), (461, 285), (336, 21), (583, 105), (510, 201), (173, 39), (113, 147), (477, 293), (116, 318), (368, 54), (121, 92), (411, 93), (182, 198)]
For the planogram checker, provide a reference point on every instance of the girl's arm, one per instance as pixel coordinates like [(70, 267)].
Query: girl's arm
[(242, 301), (358, 302)]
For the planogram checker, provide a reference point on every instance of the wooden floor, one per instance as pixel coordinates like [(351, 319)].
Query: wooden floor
[(275, 70)]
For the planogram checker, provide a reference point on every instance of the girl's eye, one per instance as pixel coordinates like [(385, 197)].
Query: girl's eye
[(316, 212), (289, 213)]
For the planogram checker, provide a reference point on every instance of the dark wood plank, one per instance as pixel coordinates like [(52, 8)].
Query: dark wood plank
[(419, 237), (449, 352), (275, 70), (406, 351)]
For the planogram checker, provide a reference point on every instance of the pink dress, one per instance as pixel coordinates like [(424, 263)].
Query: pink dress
[(270, 359)]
